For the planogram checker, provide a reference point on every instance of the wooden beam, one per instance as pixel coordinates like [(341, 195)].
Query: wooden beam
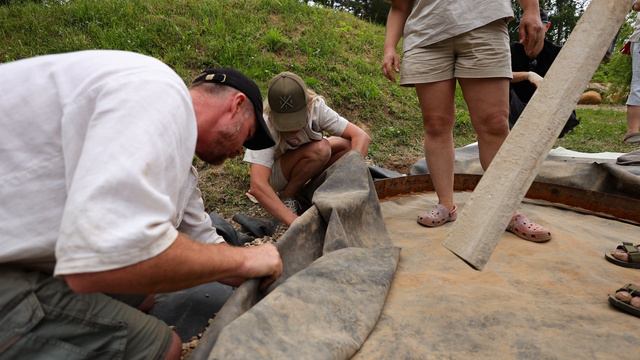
[(483, 219)]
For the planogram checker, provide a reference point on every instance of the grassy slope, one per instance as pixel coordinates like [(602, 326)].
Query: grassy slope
[(335, 53)]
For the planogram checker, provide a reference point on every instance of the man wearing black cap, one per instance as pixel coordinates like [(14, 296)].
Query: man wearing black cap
[(528, 72), (98, 195)]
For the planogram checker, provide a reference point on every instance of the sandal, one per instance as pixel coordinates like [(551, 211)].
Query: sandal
[(632, 138), (623, 298), (633, 252), (526, 229), (439, 215)]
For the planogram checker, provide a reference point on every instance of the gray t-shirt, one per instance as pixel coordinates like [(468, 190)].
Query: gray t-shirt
[(431, 21), (321, 119)]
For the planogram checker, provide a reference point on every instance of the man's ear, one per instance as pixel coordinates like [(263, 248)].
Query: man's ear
[(237, 101)]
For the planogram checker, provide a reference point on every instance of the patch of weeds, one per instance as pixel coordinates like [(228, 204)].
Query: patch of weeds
[(275, 40)]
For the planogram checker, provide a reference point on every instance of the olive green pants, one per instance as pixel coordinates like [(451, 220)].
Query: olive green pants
[(41, 318)]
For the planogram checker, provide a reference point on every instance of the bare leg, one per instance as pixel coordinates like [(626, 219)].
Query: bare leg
[(633, 119), (488, 101), (339, 147), (175, 348), (300, 165), (436, 103)]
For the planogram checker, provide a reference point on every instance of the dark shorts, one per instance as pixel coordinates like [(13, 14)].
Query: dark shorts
[(40, 317)]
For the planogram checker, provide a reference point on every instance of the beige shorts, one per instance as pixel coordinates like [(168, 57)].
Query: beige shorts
[(277, 179), (480, 53)]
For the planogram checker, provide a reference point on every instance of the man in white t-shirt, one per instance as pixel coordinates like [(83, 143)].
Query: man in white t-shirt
[(98, 195), (297, 117)]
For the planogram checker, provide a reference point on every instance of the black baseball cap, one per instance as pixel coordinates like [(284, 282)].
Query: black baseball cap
[(544, 17), (261, 139)]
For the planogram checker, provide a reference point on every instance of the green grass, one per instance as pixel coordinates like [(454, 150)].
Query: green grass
[(599, 130), (337, 55)]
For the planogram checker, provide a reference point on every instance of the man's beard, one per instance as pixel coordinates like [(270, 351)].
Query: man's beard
[(213, 158), (217, 155)]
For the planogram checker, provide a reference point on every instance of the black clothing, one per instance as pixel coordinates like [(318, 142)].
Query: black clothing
[(520, 93)]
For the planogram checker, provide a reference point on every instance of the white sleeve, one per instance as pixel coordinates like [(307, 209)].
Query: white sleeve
[(125, 177), (265, 157), (196, 223), (328, 120)]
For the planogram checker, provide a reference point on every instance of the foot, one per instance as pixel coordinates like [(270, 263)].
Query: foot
[(621, 253), (439, 215), (526, 229), (632, 138), (629, 295), (627, 298)]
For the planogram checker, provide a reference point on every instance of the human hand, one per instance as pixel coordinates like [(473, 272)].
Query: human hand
[(531, 33), (264, 262), (390, 64), (534, 78)]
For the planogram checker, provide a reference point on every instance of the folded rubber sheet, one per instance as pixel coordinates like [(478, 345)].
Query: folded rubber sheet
[(595, 172), (338, 266)]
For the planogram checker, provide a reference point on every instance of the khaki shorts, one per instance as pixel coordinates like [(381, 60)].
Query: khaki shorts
[(480, 53), (40, 317), (277, 179)]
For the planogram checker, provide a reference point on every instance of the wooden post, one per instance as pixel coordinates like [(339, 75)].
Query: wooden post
[(482, 221)]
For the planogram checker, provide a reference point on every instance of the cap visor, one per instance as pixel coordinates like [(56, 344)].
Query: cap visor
[(289, 121)]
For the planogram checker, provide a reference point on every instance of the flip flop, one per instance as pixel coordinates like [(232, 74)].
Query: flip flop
[(526, 229), (633, 138), (437, 216), (623, 306), (634, 256)]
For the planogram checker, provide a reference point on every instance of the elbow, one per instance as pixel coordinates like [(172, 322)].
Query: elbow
[(366, 139), (400, 6)]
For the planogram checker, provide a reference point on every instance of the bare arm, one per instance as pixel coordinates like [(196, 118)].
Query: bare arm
[(529, 76), (360, 140), (396, 19), (184, 264), (531, 30), (266, 196)]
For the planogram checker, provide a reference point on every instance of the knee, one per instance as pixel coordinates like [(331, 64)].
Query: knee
[(494, 124), (319, 151), (438, 125)]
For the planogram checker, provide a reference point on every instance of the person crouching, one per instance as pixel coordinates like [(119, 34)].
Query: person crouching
[(297, 118)]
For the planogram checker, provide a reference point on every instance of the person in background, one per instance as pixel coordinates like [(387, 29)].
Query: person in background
[(444, 42), (528, 72), (632, 136), (298, 117)]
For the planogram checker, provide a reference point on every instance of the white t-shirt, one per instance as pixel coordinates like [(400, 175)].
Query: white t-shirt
[(431, 21), (95, 160), (321, 119)]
